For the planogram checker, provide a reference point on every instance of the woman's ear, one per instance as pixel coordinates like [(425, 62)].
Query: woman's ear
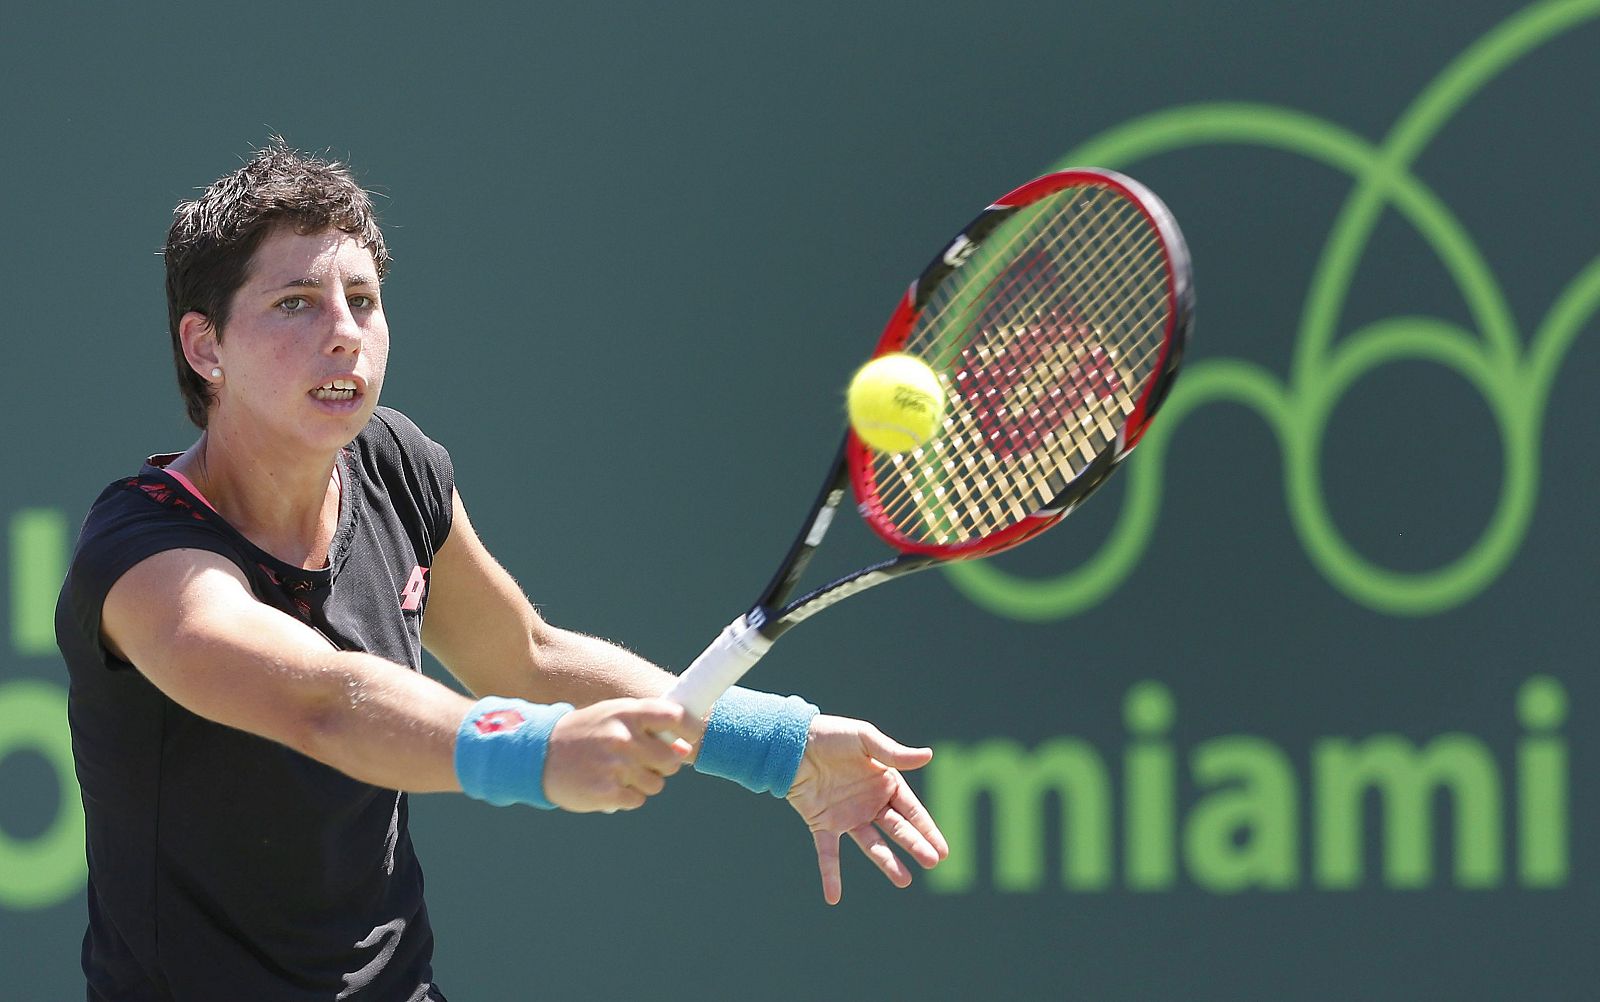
[(199, 339)]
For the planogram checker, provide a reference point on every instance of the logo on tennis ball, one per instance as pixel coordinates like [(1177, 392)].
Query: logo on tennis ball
[(909, 398), (895, 403)]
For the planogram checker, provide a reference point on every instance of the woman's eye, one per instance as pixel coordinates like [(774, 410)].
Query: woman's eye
[(294, 304), (363, 302)]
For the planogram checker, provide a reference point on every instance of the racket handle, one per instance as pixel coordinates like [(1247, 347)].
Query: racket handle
[(719, 666)]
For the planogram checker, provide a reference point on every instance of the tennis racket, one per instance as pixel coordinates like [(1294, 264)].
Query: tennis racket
[(1056, 322)]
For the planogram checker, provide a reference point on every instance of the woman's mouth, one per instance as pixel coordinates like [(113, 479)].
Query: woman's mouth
[(336, 389)]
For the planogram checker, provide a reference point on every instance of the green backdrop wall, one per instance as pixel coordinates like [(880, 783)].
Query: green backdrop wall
[(1304, 707)]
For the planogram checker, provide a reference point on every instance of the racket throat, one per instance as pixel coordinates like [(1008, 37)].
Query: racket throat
[(818, 520), (808, 605), (818, 601)]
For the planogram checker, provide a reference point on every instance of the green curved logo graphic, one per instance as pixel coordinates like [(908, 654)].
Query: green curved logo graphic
[(40, 871), (1514, 379)]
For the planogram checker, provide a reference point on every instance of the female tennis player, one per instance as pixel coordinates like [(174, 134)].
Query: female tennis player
[(244, 625)]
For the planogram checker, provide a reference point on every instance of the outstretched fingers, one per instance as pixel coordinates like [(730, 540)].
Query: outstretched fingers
[(877, 849), (827, 844), (851, 782), (912, 827)]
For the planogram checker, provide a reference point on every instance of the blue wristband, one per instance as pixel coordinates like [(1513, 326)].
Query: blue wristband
[(500, 748), (756, 739)]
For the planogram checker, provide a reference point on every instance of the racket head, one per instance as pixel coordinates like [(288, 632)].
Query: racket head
[(1056, 322)]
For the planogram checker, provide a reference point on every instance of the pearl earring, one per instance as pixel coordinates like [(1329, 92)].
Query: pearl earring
[(216, 373)]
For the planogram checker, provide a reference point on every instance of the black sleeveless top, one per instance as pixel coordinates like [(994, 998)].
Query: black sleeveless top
[(223, 865)]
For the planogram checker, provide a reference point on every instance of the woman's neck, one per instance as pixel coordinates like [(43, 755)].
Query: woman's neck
[(286, 504)]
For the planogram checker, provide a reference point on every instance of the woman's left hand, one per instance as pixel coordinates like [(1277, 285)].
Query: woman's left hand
[(849, 783)]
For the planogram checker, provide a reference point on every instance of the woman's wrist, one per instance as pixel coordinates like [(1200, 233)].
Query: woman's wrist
[(756, 739), (500, 750)]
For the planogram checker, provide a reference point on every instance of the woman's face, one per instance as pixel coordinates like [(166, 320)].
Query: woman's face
[(304, 351)]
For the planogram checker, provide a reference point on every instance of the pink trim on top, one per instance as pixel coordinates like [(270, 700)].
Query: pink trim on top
[(189, 486), (338, 481)]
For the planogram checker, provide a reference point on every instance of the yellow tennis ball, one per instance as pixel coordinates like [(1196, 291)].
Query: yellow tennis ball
[(895, 403)]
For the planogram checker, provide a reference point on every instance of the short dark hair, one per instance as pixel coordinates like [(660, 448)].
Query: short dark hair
[(214, 238)]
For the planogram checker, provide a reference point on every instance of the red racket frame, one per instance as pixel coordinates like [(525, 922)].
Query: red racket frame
[(859, 457)]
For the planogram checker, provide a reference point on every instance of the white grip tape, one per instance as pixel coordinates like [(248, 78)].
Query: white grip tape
[(719, 666)]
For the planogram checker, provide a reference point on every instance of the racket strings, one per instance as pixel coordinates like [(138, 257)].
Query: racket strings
[(1051, 241), (1044, 341)]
